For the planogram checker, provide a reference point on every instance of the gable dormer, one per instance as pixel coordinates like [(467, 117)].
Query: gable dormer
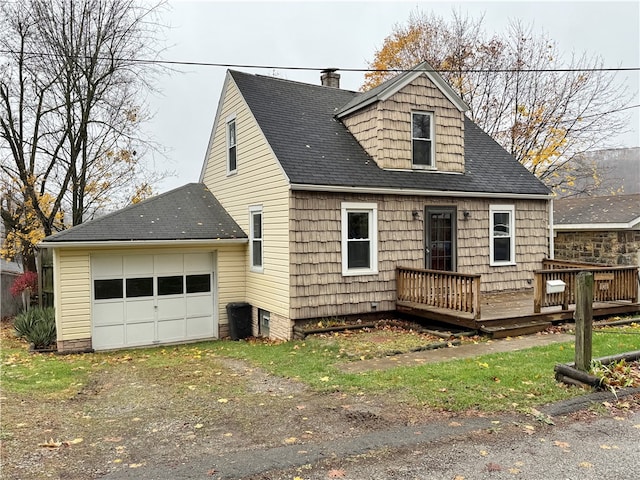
[(415, 121)]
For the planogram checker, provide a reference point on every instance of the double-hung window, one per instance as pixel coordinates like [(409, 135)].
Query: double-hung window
[(422, 140), (502, 233), (255, 238), (359, 238), (232, 163)]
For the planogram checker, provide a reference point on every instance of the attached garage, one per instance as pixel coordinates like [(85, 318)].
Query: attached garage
[(148, 274), (151, 299)]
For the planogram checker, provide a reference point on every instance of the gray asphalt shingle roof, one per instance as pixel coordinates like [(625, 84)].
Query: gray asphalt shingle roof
[(314, 148), (190, 212), (612, 209)]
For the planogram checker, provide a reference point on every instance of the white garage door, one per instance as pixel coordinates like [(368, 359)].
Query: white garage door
[(151, 299)]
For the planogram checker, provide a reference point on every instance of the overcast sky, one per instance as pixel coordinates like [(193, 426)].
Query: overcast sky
[(343, 35)]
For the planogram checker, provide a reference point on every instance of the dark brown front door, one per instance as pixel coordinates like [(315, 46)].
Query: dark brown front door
[(440, 238)]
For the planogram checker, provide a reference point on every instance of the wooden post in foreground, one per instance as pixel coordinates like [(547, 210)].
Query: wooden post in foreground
[(584, 320)]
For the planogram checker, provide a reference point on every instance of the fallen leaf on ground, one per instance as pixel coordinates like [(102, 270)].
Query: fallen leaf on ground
[(75, 441), (198, 425), (135, 465), (585, 465), (335, 473), (223, 400), (290, 440), (51, 444), (560, 444)]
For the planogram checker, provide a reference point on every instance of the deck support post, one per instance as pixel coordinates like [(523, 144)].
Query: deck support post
[(538, 292), (476, 298), (584, 320)]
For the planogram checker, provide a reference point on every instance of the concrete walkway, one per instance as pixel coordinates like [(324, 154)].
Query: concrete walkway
[(466, 350)]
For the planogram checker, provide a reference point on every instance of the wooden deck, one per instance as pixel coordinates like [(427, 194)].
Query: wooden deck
[(508, 313)]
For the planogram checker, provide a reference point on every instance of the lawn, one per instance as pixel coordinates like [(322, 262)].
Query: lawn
[(83, 416), (496, 382)]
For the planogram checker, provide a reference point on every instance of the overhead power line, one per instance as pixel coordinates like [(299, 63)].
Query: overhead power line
[(346, 69)]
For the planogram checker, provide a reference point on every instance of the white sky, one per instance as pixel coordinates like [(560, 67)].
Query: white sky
[(343, 35)]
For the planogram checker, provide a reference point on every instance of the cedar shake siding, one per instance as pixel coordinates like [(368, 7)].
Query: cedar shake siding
[(319, 289), (384, 128)]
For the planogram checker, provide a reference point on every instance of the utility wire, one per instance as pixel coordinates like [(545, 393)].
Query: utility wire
[(361, 70)]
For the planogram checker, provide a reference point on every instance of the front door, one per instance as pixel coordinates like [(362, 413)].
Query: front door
[(440, 238)]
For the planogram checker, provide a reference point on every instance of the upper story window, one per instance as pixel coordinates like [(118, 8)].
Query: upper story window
[(502, 234), (422, 144), (232, 164), (359, 238), (255, 238)]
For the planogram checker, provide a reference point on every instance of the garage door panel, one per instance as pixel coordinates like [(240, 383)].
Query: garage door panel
[(171, 307), (108, 313), (106, 266), (111, 336), (199, 327), (140, 333), (171, 330), (199, 305), (137, 265), (197, 262), (168, 264), (140, 311)]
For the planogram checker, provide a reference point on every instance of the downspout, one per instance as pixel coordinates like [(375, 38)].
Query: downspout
[(551, 235)]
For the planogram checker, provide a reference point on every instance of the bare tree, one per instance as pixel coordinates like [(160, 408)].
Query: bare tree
[(543, 108), (71, 108)]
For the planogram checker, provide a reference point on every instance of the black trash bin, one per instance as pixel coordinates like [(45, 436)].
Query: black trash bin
[(239, 314)]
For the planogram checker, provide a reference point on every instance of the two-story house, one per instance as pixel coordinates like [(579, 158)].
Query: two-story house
[(310, 197)]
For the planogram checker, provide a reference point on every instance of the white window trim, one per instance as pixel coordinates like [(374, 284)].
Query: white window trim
[(432, 135), (510, 209), (255, 209), (229, 119), (372, 210)]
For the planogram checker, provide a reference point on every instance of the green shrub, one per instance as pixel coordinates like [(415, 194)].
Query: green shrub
[(37, 326)]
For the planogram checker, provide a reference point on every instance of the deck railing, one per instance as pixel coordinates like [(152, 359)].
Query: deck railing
[(437, 288), (609, 284)]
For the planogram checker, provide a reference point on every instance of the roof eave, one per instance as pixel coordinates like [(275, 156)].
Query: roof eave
[(423, 69), (418, 192), (142, 243), (633, 225)]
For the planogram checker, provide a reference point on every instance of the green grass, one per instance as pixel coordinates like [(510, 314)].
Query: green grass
[(496, 382)]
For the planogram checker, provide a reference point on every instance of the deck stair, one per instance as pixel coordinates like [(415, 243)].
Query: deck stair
[(502, 330)]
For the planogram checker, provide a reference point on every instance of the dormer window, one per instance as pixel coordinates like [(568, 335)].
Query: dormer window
[(422, 144)]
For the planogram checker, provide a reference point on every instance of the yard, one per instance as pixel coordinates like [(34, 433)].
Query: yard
[(82, 416)]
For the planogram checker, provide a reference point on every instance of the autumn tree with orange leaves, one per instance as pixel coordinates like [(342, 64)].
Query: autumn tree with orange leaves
[(542, 107), (70, 113)]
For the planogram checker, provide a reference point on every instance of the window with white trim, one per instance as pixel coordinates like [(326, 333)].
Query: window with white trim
[(232, 162), (359, 238), (502, 234), (255, 238), (422, 140)]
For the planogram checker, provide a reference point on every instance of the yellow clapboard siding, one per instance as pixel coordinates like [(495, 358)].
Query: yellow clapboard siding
[(257, 167)]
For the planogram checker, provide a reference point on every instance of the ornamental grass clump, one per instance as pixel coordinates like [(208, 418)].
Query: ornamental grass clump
[(37, 326)]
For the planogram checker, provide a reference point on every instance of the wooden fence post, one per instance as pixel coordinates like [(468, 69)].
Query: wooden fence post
[(584, 320)]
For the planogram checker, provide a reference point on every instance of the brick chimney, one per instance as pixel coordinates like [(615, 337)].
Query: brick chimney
[(330, 78)]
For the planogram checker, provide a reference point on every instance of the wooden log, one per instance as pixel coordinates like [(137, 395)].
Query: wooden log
[(582, 377), (584, 320)]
